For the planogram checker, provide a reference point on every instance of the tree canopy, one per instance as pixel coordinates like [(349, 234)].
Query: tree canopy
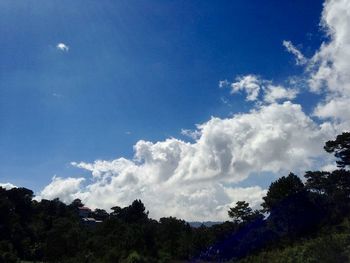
[(242, 213), (341, 149), (299, 222), (284, 187)]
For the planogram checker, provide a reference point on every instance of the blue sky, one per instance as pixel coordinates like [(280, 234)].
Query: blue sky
[(110, 85), (148, 68)]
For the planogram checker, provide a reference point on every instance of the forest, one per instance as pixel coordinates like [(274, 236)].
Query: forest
[(301, 219)]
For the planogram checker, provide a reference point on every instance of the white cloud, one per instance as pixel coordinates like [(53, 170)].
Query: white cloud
[(336, 108), (329, 167), (225, 101), (299, 57), (193, 134), (62, 47), (67, 189), (190, 180), (57, 95), (251, 84), (331, 63), (330, 66), (7, 186), (224, 83), (275, 93), (254, 86)]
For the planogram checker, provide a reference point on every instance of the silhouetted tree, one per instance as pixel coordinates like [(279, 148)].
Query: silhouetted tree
[(76, 203), (116, 212), (305, 223), (282, 189), (136, 212), (100, 214), (341, 149), (334, 187), (317, 181), (173, 237), (292, 210), (242, 213)]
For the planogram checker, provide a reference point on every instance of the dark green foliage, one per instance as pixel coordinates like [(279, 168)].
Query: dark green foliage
[(242, 213), (317, 181), (136, 212), (329, 246), (76, 203), (100, 214), (33, 230), (283, 188), (333, 191), (291, 208), (298, 223), (174, 237), (341, 149)]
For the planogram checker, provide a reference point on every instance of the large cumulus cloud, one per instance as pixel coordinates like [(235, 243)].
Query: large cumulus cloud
[(330, 66), (197, 180)]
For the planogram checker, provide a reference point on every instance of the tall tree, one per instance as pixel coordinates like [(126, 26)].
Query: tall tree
[(76, 203), (100, 214), (317, 181), (242, 213), (282, 189), (292, 210), (136, 212), (341, 149)]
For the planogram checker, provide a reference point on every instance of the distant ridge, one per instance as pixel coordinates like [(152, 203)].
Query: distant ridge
[(197, 224)]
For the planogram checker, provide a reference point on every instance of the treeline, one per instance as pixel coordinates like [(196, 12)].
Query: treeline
[(300, 221)]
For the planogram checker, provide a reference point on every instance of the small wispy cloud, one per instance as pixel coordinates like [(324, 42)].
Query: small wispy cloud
[(194, 134), (224, 83), (225, 101), (62, 47), (57, 95), (251, 84), (299, 57)]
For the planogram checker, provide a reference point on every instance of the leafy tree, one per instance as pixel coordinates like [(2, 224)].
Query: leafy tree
[(292, 210), (333, 189), (317, 181), (341, 149), (173, 235), (134, 257), (116, 212), (338, 183), (136, 212), (302, 224), (281, 189), (100, 214), (76, 203), (242, 213)]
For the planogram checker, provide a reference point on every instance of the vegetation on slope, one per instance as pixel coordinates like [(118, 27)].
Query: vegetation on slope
[(299, 222)]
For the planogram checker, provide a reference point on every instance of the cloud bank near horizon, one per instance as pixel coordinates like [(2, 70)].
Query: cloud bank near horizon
[(199, 180), (7, 186)]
